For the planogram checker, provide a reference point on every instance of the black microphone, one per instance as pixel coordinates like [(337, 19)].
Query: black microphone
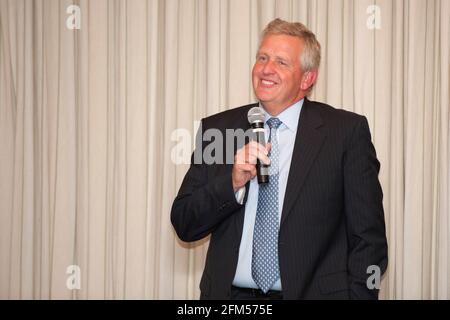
[(256, 118)]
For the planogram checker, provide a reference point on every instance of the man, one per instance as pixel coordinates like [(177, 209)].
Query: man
[(316, 227)]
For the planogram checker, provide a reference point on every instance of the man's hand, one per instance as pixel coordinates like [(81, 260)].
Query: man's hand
[(244, 168)]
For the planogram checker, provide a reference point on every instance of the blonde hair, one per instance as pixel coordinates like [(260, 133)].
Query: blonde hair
[(310, 57)]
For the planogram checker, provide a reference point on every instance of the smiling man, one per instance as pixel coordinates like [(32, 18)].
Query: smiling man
[(316, 228), (279, 80)]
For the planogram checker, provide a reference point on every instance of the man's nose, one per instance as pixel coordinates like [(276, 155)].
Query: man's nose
[(268, 67)]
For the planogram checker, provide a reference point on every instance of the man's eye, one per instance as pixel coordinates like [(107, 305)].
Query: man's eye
[(280, 62), (262, 58)]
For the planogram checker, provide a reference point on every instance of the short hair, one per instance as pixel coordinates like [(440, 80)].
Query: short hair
[(310, 57)]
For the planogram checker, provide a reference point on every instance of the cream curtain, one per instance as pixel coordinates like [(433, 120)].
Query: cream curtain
[(88, 115)]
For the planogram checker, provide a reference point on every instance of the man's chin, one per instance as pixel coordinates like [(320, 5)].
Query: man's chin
[(266, 103), (264, 97)]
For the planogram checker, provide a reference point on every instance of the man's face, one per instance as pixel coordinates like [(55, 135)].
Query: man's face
[(277, 72)]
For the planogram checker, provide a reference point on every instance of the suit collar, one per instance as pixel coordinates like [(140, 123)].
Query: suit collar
[(289, 117), (241, 118)]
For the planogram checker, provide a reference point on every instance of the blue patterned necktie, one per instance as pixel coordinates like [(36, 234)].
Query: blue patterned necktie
[(265, 270)]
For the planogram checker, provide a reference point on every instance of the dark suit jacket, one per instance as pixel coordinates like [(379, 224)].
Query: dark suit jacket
[(332, 225)]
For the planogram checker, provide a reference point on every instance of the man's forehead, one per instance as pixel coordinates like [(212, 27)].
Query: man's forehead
[(280, 43), (279, 52)]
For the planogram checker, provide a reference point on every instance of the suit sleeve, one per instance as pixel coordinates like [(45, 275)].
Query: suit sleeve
[(364, 212), (202, 202)]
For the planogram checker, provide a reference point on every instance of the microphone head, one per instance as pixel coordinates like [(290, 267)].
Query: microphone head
[(255, 114)]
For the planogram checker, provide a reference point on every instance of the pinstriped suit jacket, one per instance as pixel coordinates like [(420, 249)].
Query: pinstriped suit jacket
[(332, 224)]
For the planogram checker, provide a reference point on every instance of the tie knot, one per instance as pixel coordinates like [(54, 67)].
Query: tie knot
[(274, 123)]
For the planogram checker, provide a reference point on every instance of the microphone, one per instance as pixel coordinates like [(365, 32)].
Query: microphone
[(256, 117)]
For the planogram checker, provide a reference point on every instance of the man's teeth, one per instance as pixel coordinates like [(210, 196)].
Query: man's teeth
[(267, 82)]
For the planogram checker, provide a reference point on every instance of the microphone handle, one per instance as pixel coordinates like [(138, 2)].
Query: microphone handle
[(262, 172)]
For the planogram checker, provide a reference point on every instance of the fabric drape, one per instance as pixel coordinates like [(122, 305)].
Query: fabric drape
[(89, 119)]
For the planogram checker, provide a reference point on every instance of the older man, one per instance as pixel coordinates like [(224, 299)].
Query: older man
[(317, 227)]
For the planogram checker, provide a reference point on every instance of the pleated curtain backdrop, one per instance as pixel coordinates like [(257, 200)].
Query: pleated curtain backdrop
[(89, 119)]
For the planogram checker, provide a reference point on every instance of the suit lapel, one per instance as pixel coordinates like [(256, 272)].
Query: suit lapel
[(308, 141)]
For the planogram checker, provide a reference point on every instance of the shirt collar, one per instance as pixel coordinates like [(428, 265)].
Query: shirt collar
[(289, 116)]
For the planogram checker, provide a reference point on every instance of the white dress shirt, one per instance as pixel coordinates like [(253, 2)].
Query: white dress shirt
[(286, 134)]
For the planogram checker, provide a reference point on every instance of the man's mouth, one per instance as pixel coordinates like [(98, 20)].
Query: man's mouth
[(268, 83)]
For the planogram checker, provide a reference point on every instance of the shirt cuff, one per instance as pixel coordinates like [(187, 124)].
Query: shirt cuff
[(240, 194)]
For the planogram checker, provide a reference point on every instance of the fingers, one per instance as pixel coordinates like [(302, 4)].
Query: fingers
[(241, 174), (251, 152), (244, 168), (249, 168)]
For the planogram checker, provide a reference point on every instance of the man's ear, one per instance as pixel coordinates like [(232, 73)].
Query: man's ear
[(308, 79)]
